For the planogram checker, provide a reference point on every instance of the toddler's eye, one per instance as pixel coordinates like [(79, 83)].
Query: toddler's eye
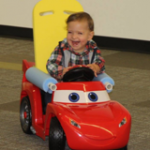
[(80, 33), (69, 32), (93, 96), (74, 97)]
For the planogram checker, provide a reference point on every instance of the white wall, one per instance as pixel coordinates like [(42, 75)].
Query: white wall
[(17, 12), (113, 18), (120, 18)]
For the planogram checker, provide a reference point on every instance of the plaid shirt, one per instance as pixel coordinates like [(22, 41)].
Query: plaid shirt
[(54, 63)]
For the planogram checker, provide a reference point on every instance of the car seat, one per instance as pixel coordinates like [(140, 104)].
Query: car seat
[(49, 28)]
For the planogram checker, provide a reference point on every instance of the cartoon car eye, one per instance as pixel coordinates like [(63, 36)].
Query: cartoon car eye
[(74, 97), (69, 96), (93, 96)]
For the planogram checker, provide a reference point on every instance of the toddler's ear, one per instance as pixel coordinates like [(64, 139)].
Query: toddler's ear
[(91, 34)]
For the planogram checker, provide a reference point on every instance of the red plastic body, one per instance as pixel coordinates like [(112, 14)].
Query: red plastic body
[(98, 121)]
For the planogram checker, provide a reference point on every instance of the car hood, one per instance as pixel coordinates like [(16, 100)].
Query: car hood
[(97, 120), (106, 111)]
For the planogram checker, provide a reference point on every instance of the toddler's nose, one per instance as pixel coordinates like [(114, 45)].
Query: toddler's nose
[(74, 35)]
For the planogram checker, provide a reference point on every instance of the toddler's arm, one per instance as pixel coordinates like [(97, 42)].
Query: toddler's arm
[(95, 68), (98, 63), (54, 64)]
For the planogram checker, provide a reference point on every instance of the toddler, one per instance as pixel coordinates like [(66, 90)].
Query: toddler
[(79, 44)]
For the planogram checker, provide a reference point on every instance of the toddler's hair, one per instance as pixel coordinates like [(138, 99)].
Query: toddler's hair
[(81, 16)]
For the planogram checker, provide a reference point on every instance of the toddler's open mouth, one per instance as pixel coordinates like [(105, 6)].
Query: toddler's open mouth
[(75, 43)]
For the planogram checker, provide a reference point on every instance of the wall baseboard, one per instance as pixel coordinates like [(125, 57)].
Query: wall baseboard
[(16, 31), (123, 44), (102, 41)]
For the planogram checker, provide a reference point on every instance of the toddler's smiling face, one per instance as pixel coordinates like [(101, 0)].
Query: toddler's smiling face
[(78, 35)]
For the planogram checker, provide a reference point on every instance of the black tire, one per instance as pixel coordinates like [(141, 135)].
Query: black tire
[(57, 139), (25, 115), (124, 148)]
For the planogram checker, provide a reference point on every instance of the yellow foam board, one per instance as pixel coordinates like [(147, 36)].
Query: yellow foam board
[(49, 27)]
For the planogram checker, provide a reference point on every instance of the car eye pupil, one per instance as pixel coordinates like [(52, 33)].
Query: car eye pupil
[(74, 97), (93, 96)]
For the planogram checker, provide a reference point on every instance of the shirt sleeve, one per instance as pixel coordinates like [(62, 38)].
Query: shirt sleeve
[(54, 63), (99, 60)]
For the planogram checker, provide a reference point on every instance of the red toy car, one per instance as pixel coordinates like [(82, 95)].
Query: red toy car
[(80, 115)]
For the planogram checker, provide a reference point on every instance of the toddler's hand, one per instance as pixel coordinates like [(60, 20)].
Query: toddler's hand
[(95, 68), (65, 70)]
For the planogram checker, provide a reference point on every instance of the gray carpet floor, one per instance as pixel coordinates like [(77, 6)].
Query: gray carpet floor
[(130, 70)]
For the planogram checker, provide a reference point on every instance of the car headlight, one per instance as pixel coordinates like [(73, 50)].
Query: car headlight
[(124, 121), (52, 86), (75, 124)]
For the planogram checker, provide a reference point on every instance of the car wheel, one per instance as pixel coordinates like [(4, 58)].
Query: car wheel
[(124, 148), (57, 139), (25, 115)]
